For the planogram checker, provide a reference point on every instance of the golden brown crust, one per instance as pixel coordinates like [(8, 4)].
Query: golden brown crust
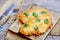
[(42, 25), (24, 18)]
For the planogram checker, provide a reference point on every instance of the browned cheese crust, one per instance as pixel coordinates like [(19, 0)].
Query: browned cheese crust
[(36, 21)]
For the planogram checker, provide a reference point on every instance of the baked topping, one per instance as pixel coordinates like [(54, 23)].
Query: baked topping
[(36, 28), (26, 13), (38, 20), (43, 12), (35, 14), (46, 21), (26, 25)]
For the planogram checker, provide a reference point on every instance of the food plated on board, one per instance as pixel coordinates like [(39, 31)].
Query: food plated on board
[(36, 21)]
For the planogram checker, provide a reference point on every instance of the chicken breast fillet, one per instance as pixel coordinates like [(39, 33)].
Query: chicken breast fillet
[(39, 21)]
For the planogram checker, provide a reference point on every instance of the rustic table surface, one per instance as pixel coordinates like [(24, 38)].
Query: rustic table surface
[(53, 5)]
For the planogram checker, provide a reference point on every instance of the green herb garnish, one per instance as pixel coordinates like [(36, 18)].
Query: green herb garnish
[(46, 21), (43, 12), (26, 25), (35, 14), (36, 28), (38, 20), (26, 13)]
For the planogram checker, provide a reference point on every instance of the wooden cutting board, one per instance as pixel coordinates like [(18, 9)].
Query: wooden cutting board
[(56, 29), (41, 37), (12, 36)]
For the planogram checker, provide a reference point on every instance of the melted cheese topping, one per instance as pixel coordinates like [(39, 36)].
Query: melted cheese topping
[(40, 12), (36, 25)]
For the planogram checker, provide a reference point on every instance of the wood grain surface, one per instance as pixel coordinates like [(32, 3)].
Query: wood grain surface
[(41, 37), (50, 4)]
